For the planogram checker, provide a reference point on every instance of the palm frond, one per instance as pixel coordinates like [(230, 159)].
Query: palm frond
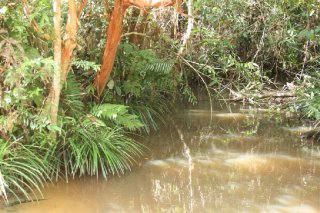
[(91, 148), (22, 171)]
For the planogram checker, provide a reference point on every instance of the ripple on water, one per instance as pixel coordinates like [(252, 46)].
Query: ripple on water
[(288, 203), (229, 139), (247, 161), (235, 116), (313, 151), (303, 208), (157, 163), (267, 162), (172, 162), (297, 130), (178, 161)]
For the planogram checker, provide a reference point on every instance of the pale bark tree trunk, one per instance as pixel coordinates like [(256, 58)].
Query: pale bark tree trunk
[(69, 40), (63, 52), (114, 31), (187, 34), (54, 95)]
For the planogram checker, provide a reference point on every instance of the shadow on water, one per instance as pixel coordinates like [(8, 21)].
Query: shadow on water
[(238, 160)]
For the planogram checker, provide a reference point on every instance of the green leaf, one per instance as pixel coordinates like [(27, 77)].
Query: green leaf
[(118, 114), (110, 84)]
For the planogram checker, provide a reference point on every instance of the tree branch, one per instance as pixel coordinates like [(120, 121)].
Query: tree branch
[(150, 3), (134, 33)]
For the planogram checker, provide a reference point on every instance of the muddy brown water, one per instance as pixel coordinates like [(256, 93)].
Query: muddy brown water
[(231, 161)]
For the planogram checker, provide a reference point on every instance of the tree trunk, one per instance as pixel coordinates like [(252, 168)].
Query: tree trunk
[(112, 41), (69, 40), (114, 31), (62, 52), (56, 84), (187, 34)]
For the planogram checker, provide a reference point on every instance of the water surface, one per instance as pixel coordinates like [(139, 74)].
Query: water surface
[(230, 160)]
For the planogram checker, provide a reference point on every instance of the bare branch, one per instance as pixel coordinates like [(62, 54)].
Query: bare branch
[(133, 33)]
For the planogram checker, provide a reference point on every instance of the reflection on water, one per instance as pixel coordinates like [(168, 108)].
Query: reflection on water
[(238, 162)]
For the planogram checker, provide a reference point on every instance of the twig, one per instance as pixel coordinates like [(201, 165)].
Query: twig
[(134, 33), (204, 82)]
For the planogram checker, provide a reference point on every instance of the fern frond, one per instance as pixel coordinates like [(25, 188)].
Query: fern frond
[(160, 68), (118, 114)]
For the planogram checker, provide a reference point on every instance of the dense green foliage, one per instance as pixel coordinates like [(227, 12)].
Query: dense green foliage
[(248, 46), (90, 138), (309, 96), (23, 170), (280, 37), (236, 45)]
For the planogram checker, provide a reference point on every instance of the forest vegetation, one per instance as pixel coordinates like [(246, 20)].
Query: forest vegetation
[(80, 78)]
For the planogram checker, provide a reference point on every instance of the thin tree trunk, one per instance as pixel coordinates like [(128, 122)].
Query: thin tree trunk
[(62, 52), (187, 34), (70, 38), (54, 95)]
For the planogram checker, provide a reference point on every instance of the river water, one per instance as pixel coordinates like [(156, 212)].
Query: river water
[(230, 160)]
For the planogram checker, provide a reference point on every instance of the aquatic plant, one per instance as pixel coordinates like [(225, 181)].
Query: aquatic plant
[(22, 170), (88, 147)]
